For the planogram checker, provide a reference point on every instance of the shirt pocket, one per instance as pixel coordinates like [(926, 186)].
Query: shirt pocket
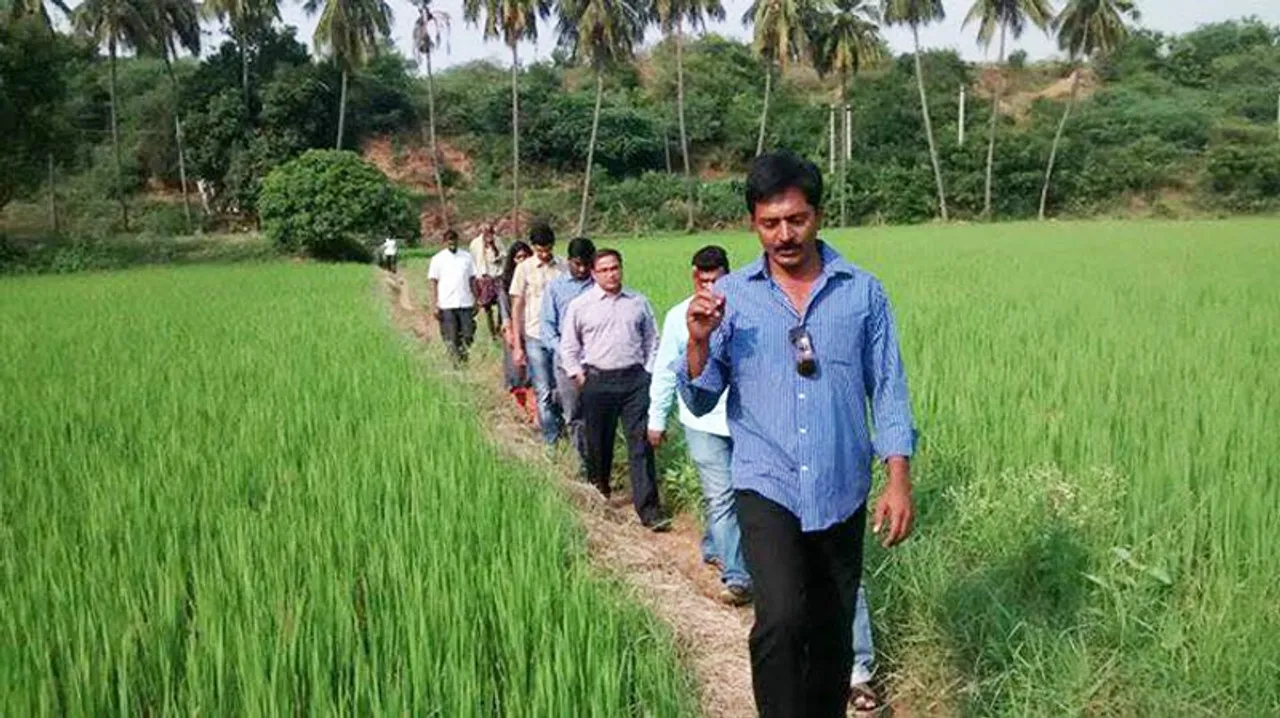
[(839, 335)]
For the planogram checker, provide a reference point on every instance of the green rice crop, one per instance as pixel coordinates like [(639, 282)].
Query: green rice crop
[(1098, 483), (235, 491)]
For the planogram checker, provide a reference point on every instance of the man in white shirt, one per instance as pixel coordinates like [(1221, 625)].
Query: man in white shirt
[(487, 253), (389, 251), (453, 290), (707, 437)]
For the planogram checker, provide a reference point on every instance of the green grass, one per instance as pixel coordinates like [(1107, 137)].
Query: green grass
[(1099, 476), (234, 491)]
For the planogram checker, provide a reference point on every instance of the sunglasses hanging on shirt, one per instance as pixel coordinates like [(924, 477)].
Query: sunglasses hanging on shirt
[(802, 344)]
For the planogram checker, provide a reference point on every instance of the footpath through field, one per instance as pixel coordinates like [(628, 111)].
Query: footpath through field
[(664, 570)]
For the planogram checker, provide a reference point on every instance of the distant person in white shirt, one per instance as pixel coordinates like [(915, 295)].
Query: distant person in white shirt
[(487, 251), (389, 252), (453, 290)]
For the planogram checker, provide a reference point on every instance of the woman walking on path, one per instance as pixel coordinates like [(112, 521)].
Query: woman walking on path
[(515, 378)]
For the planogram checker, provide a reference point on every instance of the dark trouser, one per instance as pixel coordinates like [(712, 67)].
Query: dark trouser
[(606, 397), (571, 404), (458, 327), (805, 586)]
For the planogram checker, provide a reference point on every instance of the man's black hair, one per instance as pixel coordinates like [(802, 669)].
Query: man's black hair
[(542, 235), (601, 254), (710, 258), (776, 172), (450, 235), (582, 249)]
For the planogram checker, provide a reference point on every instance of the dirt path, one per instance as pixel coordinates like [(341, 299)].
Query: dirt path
[(665, 570)]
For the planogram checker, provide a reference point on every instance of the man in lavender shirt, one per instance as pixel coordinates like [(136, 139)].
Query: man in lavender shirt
[(608, 343)]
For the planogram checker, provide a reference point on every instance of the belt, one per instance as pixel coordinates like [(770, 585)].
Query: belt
[(613, 373)]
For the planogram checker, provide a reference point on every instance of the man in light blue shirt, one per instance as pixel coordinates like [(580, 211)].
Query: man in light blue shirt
[(805, 346), (555, 302), (707, 437)]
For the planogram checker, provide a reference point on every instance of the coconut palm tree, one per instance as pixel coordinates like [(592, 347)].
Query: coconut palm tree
[(118, 24), (671, 16), (242, 17), (779, 39), (350, 31), (177, 23), (843, 40), (1086, 28), (599, 33), (24, 8), (511, 21), (916, 14), (428, 30), (1009, 17)]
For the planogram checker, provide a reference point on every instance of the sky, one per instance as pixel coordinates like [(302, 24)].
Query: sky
[(466, 44)]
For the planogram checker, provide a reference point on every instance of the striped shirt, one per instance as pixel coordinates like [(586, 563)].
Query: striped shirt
[(555, 302), (804, 442)]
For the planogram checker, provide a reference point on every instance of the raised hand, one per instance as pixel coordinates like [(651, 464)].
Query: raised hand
[(706, 311)]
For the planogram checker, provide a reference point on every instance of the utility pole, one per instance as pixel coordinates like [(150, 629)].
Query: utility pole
[(831, 136), (961, 129), (848, 132)]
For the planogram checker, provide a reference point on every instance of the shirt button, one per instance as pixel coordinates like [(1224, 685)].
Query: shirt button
[(804, 431), (804, 468), (802, 396)]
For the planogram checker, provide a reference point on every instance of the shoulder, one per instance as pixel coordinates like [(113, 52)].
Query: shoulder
[(678, 312)]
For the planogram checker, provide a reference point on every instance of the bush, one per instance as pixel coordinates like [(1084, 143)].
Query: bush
[(333, 205)]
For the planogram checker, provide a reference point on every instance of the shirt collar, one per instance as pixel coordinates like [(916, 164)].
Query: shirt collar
[(832, 264), (598, 292)]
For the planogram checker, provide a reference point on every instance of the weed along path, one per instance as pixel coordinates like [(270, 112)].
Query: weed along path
[(664, 570)]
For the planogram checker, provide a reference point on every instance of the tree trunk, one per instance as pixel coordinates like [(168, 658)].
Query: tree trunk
[(764, 112), (591, 153), (515, 141), (177, 135), (1057, 137), (115, 136), (53, 199), (244, 69), (844, 155), (436, 159), (689, 199), (928, 128), (342, 109), (991, 132), (666, 147)]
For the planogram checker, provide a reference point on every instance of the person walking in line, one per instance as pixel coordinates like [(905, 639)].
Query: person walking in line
[(515, 379), (453, 289), (609, 343), (707, 437), (555, 302), (527, 286), (389, 250), (487, 253), (804, 343)]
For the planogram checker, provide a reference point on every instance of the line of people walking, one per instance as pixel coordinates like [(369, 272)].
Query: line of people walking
[(778, 373)]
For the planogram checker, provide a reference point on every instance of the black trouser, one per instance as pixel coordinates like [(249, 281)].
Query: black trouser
[(804, 586), (606, 397), (458, 327)]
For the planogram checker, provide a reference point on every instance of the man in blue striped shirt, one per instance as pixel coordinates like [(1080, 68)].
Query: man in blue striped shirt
[(804, 343)]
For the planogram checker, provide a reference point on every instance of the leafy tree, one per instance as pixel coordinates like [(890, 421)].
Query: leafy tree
[(432, 24), (1008, 17), (600, 33), (333, 205), (671, 16), (19, 9), (117, 24), (245, 19), (34, 69), (350, 30), (779, 39), (1085, 28), (916, 14), (512, 21), (844, 40), (176, 23)]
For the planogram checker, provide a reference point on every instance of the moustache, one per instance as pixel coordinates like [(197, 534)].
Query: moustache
[(787, 247)]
